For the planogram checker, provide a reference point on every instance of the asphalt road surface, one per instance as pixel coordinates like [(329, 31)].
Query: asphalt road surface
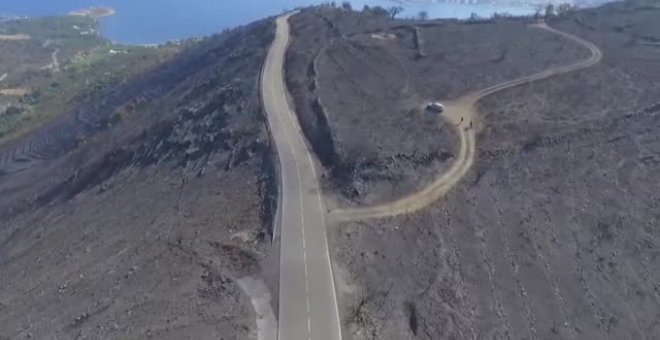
[(462, 114), (307, 301)]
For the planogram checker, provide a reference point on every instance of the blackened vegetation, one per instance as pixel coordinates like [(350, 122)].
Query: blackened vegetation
[(360, 81), (215, 62), (322, 138), (136, 216), (198, 110), (411, 311), (554, 232), (187, 141), (418, 42)]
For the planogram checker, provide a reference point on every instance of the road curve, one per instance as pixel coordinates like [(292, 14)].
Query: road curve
[(460, 113), (307, 299)]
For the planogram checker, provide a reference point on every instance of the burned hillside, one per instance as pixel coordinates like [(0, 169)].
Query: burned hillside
[(137, 214), (360, 82), (552, 234)]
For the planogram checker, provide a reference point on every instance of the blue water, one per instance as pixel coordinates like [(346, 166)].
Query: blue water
[(157, 21)]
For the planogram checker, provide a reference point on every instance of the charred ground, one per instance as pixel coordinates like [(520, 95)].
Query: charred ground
[(554, 232), (361, 81), (134, 215)]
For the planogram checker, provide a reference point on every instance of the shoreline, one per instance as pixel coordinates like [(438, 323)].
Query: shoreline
[(125, 30), (94, 12)]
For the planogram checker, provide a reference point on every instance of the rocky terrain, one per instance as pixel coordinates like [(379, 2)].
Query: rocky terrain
[(145, 210), (553, 233), (361, 81), (137, 214)]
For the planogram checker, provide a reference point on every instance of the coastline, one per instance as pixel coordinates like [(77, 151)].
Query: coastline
[(94, 12), (150, 28)]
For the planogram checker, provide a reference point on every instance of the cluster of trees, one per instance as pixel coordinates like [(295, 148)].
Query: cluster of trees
[(390, 12), (551, 10), (548, 10)]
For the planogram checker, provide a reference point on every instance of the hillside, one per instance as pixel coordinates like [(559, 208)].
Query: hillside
[(139, 188), (552, 231), (48, 65), (145, 208), (361, 82)]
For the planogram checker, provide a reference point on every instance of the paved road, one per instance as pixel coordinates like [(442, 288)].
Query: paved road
[(462, 114), (307, 301)]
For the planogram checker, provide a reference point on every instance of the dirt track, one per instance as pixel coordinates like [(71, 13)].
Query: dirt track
[(14, 37), (462, 114), (55, 63), (14, 92)]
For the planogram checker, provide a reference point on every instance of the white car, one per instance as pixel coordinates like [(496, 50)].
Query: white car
[(436, 107)]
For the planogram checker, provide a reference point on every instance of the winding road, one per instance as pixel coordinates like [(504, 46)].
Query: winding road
[(459, 113), (307, 300), (54, 64)]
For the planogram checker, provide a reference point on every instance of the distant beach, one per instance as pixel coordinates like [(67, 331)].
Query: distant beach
[(94, 12)]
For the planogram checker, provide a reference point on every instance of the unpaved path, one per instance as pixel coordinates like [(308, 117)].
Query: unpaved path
[(462, 114), (55, 63), (14, 37), (18, 92)]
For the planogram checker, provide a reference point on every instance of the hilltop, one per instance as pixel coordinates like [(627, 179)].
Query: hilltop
[(139, 188)]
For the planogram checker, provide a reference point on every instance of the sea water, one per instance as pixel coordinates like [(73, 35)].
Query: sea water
[(157, 21)]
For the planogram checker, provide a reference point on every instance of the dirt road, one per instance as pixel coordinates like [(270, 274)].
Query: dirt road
[(17, 92), (462, 114), (14, 37), (54, 64), (307, 302)]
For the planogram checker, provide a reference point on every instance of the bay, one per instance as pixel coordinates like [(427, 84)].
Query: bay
[(158, 21)]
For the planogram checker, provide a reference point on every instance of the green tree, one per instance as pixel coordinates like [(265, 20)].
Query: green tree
[(346, 5), (423, 15)]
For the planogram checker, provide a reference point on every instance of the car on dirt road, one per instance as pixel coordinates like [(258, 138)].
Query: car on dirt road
[(435, 107)]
